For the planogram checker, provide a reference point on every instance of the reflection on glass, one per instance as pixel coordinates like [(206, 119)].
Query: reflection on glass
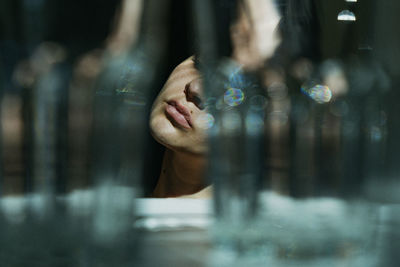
[(333, 76), (319, 93), (206, 121), (290, 114), (346, 15), (233, 97)]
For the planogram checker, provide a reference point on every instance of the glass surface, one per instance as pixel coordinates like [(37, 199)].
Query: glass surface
[(296, 178), (280, 115)]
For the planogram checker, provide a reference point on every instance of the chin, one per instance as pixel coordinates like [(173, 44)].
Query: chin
[(174, 139), (161, 130), (196, 151)]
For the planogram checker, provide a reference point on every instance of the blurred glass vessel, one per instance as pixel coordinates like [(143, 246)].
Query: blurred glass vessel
[(91, 226), (301, 193)]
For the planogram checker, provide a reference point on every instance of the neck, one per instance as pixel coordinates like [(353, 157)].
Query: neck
[(181, 174)]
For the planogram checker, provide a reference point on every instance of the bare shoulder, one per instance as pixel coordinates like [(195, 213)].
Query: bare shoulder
[(204, 193)]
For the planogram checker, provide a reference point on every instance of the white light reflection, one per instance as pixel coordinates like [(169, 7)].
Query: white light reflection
[(351, 1), (346, 15)]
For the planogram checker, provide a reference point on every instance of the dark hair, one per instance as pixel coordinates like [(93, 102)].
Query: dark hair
[(299, 29)]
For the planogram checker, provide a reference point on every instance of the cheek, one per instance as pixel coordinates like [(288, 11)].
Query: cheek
[(166, 134), (157, 104), (177, 140), (200, 144), (198, 138), (160, 127)]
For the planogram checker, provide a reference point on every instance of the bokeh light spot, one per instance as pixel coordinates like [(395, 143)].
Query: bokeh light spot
[(206, 121), (233, 97), (319, 93)]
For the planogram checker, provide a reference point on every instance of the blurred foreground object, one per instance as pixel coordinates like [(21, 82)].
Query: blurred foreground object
[(79, 125), (310, 189)]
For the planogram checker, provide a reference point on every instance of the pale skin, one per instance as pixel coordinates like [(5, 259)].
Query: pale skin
[(184, 160)]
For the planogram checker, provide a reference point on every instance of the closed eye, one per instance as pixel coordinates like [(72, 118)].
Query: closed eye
[(193, 97), (198, 102)]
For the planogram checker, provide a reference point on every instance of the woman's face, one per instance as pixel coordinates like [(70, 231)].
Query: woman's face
[(178, 120)]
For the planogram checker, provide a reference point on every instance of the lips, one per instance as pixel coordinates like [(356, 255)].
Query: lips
[(178, 114)]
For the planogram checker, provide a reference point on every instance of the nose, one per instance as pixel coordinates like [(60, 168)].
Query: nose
[(194, 92)]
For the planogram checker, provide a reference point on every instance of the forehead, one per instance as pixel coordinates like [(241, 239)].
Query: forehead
[(183, 73), (186, 68)]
